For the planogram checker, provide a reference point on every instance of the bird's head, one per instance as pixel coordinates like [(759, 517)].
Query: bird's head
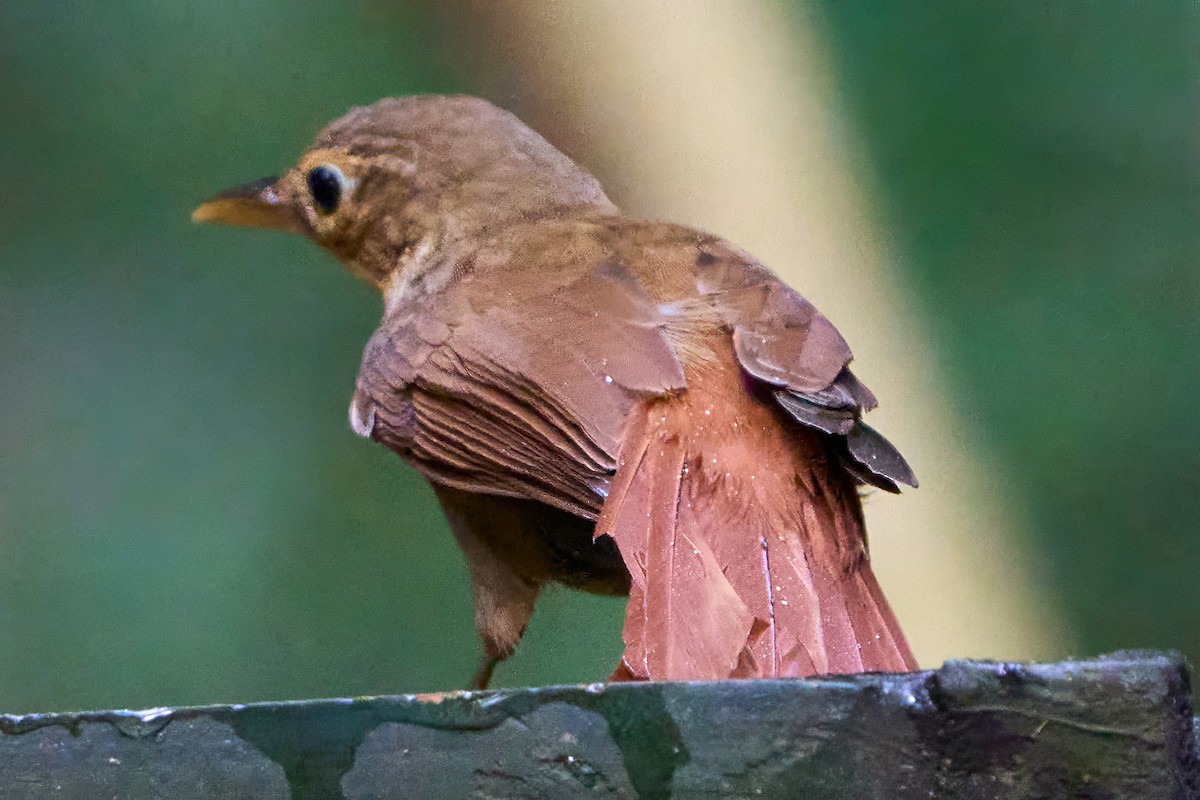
[(409, 175)]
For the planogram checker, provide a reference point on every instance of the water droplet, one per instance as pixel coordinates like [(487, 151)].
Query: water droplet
[(608, 378)]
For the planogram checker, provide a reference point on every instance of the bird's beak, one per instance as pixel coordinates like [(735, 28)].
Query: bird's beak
[(256, 204)]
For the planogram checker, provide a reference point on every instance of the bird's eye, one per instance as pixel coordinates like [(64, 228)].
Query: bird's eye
[(325, 183)]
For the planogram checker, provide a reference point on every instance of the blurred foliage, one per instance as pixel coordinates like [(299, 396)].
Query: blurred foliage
[(184, 516), (1040, 165)]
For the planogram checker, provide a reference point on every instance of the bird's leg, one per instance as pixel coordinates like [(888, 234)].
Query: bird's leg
[(503, 598), (503, 606), (483, 674)]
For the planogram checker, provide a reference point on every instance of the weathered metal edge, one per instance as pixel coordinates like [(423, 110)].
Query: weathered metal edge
[(1117, 718)]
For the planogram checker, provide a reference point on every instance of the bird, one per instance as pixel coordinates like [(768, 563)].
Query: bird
[(619, 405)]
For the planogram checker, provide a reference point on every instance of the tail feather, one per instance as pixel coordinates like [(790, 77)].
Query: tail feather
[(684, 616), (744, 543)]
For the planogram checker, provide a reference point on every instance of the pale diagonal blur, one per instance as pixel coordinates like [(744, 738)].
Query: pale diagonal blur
[(724, 115)]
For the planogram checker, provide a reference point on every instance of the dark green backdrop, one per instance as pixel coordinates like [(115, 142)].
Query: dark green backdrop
[(184, 516)]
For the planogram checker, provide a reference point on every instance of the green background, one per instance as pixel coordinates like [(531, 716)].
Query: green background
[(184, 515)]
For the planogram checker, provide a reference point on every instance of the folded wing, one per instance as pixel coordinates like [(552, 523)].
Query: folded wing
[(519, 395)]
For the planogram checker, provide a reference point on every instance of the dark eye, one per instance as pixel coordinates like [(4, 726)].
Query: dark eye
[(325, 183)]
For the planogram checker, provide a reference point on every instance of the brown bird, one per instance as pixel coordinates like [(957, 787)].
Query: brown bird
[(618, 405)]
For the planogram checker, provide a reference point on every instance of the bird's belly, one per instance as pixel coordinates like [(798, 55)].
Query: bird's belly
[(538, 543), (575, 558)]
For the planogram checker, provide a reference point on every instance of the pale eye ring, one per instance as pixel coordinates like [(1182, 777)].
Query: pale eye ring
[(326, 184)]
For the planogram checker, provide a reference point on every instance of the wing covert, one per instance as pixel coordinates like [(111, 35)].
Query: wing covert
[(784, 341), (522, 395)]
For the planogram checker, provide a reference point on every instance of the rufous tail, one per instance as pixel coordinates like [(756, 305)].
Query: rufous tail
[(745, 544)]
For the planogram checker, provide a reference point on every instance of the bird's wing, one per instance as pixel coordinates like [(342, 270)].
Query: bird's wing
[(782, 340), (518, 394)]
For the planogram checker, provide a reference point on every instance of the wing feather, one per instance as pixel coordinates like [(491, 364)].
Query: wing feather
[(782, 340), (523, 395)]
